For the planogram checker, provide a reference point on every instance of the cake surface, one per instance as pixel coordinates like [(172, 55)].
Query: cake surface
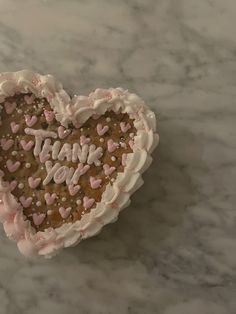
[(67, 166)]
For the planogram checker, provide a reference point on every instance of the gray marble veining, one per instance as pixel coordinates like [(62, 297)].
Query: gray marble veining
[(173, 251)]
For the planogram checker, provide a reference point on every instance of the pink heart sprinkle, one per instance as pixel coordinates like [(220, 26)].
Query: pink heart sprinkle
[(64, 212), (102, 130), (88, 202), (14, 127), (50, 198), (9, 107), (124, 127), (26, 145), (95, 183), (49, 115), (25, 201), (111, 145), (43, 157), (84, 140), (29, 99), (33, 183), (38, 218), (30, 121), (83, 169), (62, 132), (108, 170), (123, 159), (13, 185), (131, 144), (73, 189), (6, 144), (12, 167)]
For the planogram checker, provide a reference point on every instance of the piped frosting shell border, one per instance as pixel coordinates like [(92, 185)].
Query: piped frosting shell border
[(78, 109)]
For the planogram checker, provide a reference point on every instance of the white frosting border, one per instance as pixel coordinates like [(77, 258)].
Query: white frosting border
[(78, 109)]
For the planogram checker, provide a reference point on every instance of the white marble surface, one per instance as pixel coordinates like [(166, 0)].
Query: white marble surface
[(173, 251)]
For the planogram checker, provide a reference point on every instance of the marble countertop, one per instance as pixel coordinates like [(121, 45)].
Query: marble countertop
[(173, 251)]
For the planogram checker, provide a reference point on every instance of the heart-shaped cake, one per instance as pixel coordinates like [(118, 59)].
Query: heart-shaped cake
[(67, 165)]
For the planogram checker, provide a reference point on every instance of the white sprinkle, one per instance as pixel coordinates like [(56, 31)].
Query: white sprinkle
[(49, 212), (27, 165), (38, 203), (81, 129), (112, 180), (63, 199), (113, 158), (0, 201), (131, 135), (47, 222), (22, 155), (58, 203), (33, 194), (115, 124), (108, 119), (20, 185), (19, 111), (42, 168), (101, 140), (78, 202), (14, 153)]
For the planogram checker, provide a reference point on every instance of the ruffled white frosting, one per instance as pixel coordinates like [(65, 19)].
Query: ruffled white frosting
[(78, 110)]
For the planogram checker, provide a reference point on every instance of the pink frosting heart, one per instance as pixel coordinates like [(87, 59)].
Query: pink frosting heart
[(9, 107), (108, 170), (50, 198), (30, 120), (95, 183), (14, 127), (131, 144), (49, 115), (62, 132), (33, 183), (102, 130), (111, 145), (64, 212), (88, 202), (83, 168), (6, 144), (38, 218), (73, 189), (12, 166), (13, 185), (29, 99), (26, 145), (26, 202), (124, 127), (84, 140)]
